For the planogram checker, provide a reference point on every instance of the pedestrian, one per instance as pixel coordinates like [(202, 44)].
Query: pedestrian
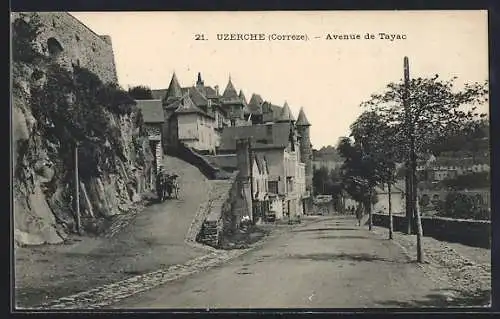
[(359, 214)]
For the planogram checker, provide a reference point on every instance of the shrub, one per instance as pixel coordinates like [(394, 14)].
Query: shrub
[(25, 30), (140, 92), (460, 205)]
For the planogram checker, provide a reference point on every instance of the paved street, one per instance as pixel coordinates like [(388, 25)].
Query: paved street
[(328, 263)]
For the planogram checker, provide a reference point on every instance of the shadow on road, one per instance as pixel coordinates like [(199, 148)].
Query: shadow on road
[(342, 256), (344, 237), (322, 229), (440, 299)]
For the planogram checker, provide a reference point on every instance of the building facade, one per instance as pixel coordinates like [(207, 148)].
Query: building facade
[(210, 123), (153, 117)]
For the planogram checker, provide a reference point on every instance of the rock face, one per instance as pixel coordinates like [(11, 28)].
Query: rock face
[(43, 190)]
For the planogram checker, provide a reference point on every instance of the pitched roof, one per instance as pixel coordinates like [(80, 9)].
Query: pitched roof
[(255, 104), (242, 97), (174, 89), (256, 99), (197, 97), (152, 110), (261, 163), (271, 112), (187, 106), (302, 119), (258, 161), (230, 91), (275, 135), (286, 114)]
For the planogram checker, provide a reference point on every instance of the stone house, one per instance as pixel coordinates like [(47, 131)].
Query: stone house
[(204, 120), (153, 117), (279, 144), (260, 198), (202, 127)]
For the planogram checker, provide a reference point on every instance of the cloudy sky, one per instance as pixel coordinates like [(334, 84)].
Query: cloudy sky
[(328, 78)]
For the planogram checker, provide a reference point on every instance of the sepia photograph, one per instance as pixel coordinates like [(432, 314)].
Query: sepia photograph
[(176, 160)]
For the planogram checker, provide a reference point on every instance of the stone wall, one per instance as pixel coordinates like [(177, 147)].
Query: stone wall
[(43, 186), (218, 217), (187, 154), (80, 45), (475, 233)]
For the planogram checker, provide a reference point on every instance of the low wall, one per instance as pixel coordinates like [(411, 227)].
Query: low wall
[(187, 154), (475, 233)]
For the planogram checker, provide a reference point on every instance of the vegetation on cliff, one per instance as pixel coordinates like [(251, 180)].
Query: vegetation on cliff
[(62, 107)]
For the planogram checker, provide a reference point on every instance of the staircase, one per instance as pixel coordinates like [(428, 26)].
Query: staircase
[(218, 204)]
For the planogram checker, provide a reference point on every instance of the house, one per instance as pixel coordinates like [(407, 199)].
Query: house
[(233, 104), (260, 175), (397, 198), (277, 142), (153, 117), (193, 115), (202, 119)]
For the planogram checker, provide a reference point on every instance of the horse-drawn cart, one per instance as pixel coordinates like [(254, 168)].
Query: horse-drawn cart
[(166, 186)]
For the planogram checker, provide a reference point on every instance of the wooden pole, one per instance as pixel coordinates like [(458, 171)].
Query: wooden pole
[(77, 192), (408, 181), (390, 210), (413, 166)]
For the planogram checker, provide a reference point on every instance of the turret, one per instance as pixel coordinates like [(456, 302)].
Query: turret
[(303, 127), (174, 91)]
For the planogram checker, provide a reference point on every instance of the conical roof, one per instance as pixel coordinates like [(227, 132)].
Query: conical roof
[(256, 99), (286, 114), (242, 97), (174, 90), (230, 92), (302, 119), (255, 104)]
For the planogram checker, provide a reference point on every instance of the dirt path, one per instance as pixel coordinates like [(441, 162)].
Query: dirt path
[(154, 239)]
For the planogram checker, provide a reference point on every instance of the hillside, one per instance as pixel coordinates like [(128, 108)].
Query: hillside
[(56, 106)]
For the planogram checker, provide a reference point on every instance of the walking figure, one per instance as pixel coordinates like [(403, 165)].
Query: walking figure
[(359, 214)]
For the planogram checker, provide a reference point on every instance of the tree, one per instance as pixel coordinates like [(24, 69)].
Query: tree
[(359, 175), (377, 142), (422, 111), (140, 92)]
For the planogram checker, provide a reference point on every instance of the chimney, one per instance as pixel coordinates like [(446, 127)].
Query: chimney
[(243, 157), (217, 90)]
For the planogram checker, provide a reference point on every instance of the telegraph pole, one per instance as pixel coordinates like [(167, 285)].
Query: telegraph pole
[(412, 167), (77, 191), (408, 175)]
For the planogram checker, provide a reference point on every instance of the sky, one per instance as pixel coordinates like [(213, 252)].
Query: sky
[(328, 78)]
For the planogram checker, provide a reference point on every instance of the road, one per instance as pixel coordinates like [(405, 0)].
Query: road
[(154, 239), (329, 263)]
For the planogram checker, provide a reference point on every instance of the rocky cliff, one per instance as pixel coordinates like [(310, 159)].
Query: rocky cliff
[(56, 107)]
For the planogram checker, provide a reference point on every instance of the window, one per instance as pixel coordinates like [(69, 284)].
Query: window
[(55, 48), (273, 186)]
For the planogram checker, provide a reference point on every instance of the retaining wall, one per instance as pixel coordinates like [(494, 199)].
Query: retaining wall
[(475, 233)]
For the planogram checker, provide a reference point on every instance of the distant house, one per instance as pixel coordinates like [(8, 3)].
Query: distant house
[(152, 113), (441, 168), (397, 198)]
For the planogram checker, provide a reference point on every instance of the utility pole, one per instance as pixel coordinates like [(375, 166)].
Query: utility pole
[(77, 192), (408, 175), (413, 166)]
